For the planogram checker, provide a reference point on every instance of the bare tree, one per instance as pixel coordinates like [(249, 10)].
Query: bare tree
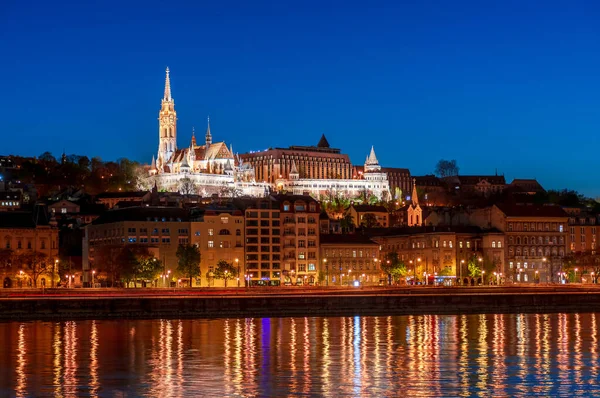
[(446, 168), (187, 187)]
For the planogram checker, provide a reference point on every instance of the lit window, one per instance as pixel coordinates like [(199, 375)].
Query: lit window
[(211, 232), (211, 243)]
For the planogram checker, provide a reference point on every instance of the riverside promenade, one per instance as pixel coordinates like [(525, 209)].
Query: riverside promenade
[(63, 304)]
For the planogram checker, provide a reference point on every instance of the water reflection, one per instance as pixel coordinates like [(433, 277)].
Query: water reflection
[(464, 355)]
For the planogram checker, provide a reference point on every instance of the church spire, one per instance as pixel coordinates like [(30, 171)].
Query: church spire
[(415, 197), (167, 86), (208, 135), (193, 143)]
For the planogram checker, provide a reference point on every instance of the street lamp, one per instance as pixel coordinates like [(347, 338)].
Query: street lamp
[(226, 278), (483, 277), (93, 275), (575, 279), (237, 263), (54, 270), (462, 262), (326, 272)]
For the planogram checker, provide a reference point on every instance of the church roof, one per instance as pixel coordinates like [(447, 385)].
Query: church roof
[(217, 150), (323, 143)]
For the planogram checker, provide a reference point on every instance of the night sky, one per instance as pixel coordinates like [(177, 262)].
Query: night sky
[(506, 85)]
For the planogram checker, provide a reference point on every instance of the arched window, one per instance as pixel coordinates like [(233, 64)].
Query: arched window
[(224, 232), (540, 252), (518, 251), (499, 244), (525, 240), (238, 232), (525, 251), (518, 240)]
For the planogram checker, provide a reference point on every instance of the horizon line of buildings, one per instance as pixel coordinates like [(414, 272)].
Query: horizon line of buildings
[(285, 239)]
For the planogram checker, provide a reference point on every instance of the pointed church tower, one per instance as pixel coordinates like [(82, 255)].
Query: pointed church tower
[(414, 211), (208, 135), (167, 124), (193, 142), (415, 197)]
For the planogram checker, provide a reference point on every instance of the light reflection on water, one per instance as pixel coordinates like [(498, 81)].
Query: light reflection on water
[(426, 355)]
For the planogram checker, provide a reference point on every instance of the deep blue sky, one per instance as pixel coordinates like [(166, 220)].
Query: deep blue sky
[(506, 85)]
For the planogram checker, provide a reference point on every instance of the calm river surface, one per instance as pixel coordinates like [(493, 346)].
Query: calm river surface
[(425, 355)]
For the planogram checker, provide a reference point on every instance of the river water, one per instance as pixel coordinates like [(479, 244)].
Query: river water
[(425, 355)]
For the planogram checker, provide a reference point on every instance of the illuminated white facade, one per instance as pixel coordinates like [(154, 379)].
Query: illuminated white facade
[(373, 182)]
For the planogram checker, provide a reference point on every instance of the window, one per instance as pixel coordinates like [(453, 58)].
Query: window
[(211, 243), (494, 244), (131, 230), (460, 244), (444, 244), (224, 220), (183, 241), (311, 267), (166, 240), (499, 244), (211, 232), (165, 231), (43, 244), (450, 244), (468, 244)]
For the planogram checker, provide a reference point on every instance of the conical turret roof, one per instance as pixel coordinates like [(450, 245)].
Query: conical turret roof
[(323, 143)]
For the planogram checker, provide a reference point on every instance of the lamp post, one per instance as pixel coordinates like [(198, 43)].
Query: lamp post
[(536, 277), (483, 277), (326, 272), (575, 278), (237, 263), (54, 270), (93, 275), (462, 262), (425, 273), (226, 278), (592, 275)]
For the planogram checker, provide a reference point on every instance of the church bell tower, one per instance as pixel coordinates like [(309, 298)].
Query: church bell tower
[(167, 126)]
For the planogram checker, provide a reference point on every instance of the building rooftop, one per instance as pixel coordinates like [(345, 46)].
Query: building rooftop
[(369, 209), (151, 213), (23, 219), (531, 210), (117, 195), (338, 239), (405, 231)]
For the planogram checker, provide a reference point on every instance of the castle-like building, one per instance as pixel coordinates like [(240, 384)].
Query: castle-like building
[(205, 169), (213, 168)]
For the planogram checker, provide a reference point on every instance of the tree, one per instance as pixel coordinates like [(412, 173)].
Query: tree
[(188, 261), (393, 266), (106, 260), (6, 257), (369, 220), (130, 259), (446, 168), (187, 187), (225, 271), (347, 223), (149, 268), (35, 264)]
